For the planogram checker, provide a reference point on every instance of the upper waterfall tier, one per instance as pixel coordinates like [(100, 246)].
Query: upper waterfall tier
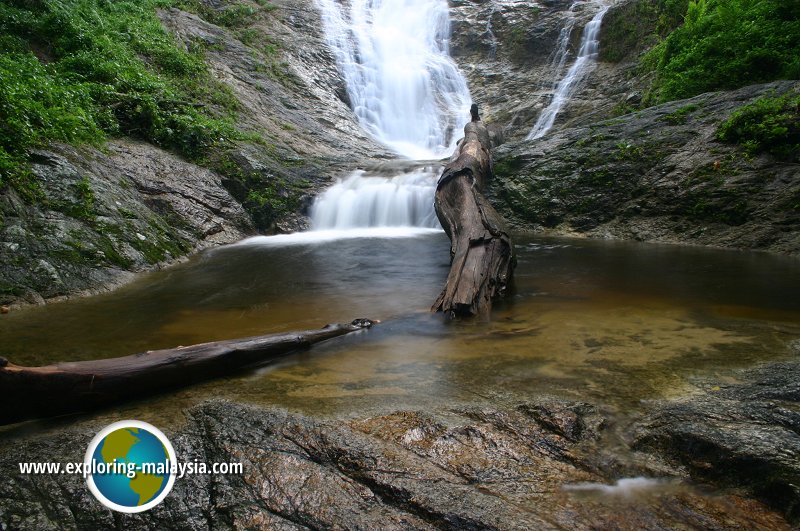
[(402, 84)]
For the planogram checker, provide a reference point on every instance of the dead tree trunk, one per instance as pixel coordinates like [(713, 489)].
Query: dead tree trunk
[(481, 252), (33, 392)]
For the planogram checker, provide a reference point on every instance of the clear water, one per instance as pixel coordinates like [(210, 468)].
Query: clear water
[(402, 84), (605, 322)]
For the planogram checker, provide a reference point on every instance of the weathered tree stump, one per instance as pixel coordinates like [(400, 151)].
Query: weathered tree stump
[(481, 252), (34, 392)]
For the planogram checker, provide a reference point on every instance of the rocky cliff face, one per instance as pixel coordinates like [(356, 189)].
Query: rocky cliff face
[(509, 52), (125, 208), (654, 175), (658, 174)]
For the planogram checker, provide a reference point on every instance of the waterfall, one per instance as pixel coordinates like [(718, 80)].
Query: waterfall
[(403, 86), (561, 52), (408, 93), (587, 56), (492, 37), (363, 200)]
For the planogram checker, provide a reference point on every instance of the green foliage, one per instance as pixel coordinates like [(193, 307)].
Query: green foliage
[(681, 115), (726, 44), (627, 29), (264, 195), (670, 14), (79, 70), (85, 206), (633, 27), (628, 151), (770, 125), (234, 15), (621, 109)]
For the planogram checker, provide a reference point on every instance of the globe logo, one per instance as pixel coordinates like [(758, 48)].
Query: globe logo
[(131, 466)]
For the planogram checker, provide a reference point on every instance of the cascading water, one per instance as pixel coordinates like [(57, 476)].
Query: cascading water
[(409, 94), (561, 52), (587, 56), (369, 205), (361, 200), (403, 86)]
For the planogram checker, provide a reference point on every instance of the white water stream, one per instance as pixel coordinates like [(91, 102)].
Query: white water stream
[(361, 200), (403, 86), (584, 63), (406, 92)]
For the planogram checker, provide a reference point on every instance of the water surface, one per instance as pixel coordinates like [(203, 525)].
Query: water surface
[(590, 320)]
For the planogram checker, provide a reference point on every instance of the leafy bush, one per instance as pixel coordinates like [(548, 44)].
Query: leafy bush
[(726, 44), (769, 125), (79, 70)]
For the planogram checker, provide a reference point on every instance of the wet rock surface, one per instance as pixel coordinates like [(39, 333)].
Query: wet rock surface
[(290, 91), (744, 434), (129, 207), (658, 175), (508, 52), (469, 467)]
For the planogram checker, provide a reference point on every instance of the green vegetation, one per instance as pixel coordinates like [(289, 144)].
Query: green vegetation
[(83, 206), (265, 196), (636, 26), (770, 125), (726, 44), (628, 151), (681, 115), (79, 71), (235, 15)]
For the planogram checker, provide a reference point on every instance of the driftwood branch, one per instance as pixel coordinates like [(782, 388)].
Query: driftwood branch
[(33, 392), (481, 252)]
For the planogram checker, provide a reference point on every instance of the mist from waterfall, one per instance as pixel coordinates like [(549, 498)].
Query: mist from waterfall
[(403, 86), (585, 61)]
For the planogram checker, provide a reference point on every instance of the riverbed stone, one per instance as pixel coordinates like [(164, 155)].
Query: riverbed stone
[(477, 467), (745, 434)]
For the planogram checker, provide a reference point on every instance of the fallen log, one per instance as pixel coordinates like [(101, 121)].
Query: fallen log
[(481, 252), (69, 387)]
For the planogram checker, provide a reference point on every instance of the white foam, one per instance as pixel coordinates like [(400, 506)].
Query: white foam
[(624, 487), (321, 236), (368, 201)]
